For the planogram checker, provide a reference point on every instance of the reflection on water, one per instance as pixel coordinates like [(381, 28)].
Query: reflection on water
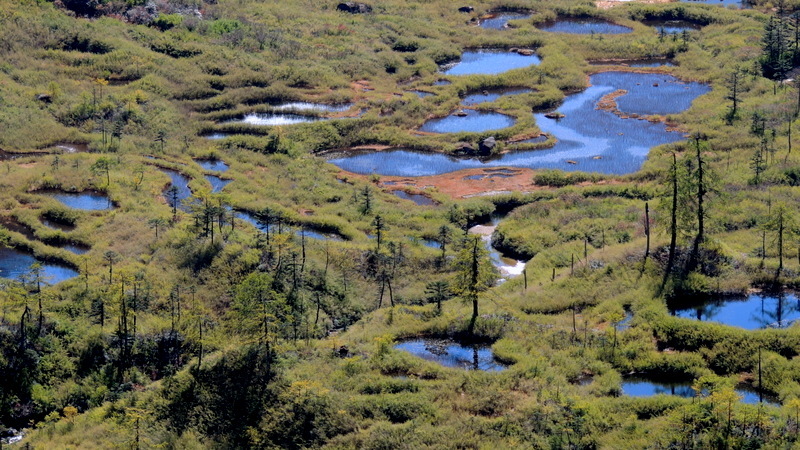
[(449, 353), (14, 264), (217, 183), (215, 165), (491, 95), (181, 182), (589, 139), (753, 312), (468, 121), (489, 62), (500, 20), (672, 26), (88, 201), (583, 26)]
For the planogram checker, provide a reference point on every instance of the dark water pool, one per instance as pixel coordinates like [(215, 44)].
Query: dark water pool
[(471, 121), (450, 353), (489, 62), (491, 95), (672, 26), (89, 201), (583, 26), (589, 139), (14, 263), (57, 225), (753, 312), (500, 20), (421, 94), (419, 199), (216, 165)]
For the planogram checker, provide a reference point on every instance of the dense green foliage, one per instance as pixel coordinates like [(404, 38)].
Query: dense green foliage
[(190, 328)]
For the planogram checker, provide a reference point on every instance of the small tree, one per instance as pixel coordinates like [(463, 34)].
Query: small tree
[(438, 291), (103, 166), (474, 274)]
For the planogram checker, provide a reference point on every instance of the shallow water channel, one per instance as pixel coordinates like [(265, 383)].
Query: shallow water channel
[(450, 353), (589, 139)]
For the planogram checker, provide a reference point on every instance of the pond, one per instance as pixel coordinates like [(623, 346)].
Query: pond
[(450, 353), (468, 120), (422, 200), (672, 26), (309, 233), (583, 26), (88, 201), (14, 263), (181, 182), (442, 82), (217, 183), (756, 311), (645, 62), (638, 386), (214, 165), (645, 387), (589, 139), (726, 3), (491, 95), (489, 62), (500, 20)]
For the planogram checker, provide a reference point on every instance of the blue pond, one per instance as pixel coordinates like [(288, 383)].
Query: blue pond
[(14, 264), (86, 201), (472, 121), (442, 82), (593, 140), (215, 165), (181, 182), (500, 20), (726, 3), (583, 26), (489, 62), (452, 354), (419, 199), (217, 183), (752, 312), (645, 387), (672, 26), (491, 95)]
